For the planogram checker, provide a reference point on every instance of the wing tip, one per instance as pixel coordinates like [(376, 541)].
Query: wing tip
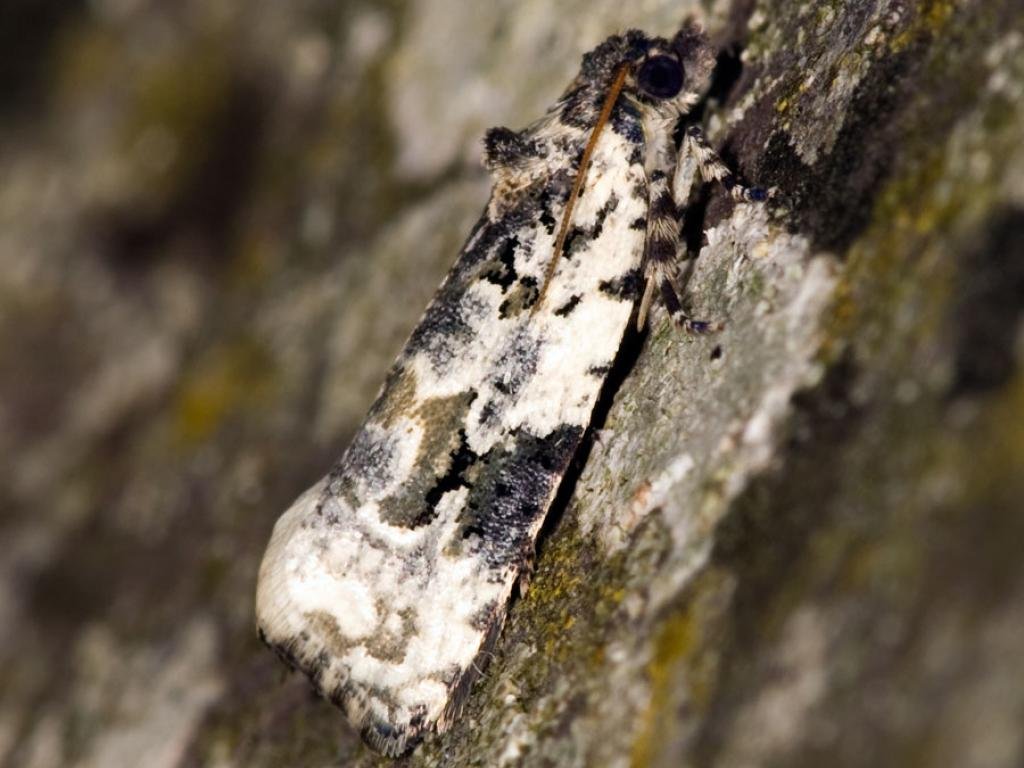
[(390, 740)]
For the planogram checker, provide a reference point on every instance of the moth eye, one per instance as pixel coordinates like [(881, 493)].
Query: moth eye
[(661, 76)]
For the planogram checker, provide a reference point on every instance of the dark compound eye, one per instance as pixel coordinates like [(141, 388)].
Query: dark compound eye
[(661, 76)]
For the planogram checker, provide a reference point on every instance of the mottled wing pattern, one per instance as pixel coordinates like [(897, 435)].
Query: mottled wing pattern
[(386, 580)]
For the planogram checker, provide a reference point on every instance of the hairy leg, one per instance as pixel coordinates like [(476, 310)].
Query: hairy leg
[(670, 176), (712, 168)]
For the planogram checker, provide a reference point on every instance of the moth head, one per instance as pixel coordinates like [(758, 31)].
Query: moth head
[(673, 73)]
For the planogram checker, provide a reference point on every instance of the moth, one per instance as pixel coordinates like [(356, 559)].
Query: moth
[(388, 581)]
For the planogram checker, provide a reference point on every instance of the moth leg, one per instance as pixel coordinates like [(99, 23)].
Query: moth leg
[(666, 278), (661, 269), (712, 168)]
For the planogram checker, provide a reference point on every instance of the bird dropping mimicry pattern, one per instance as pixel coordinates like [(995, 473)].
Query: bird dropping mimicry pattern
[(388, 581)]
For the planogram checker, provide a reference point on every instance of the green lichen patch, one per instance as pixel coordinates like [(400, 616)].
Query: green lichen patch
[(683, 669), (556, 637), (227, 383)]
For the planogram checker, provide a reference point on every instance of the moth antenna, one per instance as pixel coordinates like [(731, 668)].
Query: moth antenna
[(577, 185)]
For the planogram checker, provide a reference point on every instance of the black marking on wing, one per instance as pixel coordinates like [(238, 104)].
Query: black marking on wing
[(547, 215), (502, 270), (626, 286), (462, 460), (512, 491), (488, 412), (585, 235), (521, 298), (566, 309)]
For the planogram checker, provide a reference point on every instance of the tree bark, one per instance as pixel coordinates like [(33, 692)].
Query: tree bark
[(795, 542)]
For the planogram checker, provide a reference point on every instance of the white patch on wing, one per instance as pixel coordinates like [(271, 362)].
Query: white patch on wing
[(562, 391), (320, 590)]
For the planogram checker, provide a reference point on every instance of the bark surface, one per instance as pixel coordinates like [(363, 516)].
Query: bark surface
[(794, 543)]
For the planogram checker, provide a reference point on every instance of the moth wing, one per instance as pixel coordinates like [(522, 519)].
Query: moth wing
[(389, 580)]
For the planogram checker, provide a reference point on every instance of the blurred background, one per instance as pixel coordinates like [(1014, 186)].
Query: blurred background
[(220, 219)]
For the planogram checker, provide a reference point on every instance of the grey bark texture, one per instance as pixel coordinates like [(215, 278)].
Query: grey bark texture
[(794, 543)]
